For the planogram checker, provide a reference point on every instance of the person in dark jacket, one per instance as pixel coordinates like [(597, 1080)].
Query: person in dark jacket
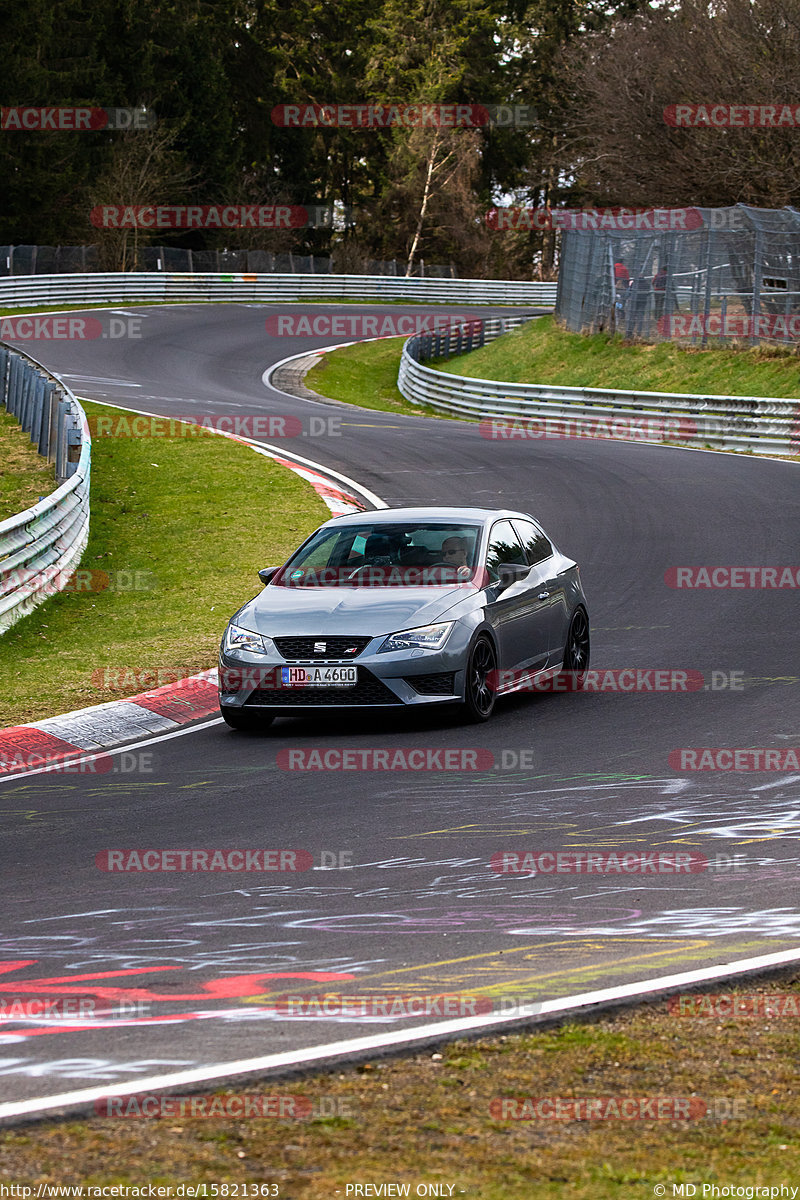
[(622, 283), (659, 289)]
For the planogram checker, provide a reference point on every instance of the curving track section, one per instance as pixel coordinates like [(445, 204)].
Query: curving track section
[(412, 905)]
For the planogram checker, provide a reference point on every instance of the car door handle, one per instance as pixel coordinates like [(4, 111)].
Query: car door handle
[(543, 595)]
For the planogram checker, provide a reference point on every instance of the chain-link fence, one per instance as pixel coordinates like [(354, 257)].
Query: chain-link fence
[(72, 260), (694, 275)]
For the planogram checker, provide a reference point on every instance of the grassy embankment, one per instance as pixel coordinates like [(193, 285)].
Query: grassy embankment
[(179, 529), (24, 475), (540, 352)]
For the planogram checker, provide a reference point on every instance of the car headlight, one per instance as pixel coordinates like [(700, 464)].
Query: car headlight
[(237, 638), (427, 637)]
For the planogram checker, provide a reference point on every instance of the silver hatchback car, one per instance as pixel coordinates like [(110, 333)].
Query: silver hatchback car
[(406, 607)]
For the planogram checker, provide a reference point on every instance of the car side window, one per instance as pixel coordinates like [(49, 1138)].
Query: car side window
[(504, 547), (537, 546)]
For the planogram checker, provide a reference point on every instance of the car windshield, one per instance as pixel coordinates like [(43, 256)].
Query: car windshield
[(409, 554)]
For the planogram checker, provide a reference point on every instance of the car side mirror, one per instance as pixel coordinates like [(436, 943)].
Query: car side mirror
[(266, 574), (511, 573)]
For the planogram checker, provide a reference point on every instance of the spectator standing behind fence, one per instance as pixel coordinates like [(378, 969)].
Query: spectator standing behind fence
[(659, 290), (622, 283), (641, 291), (664, 292)]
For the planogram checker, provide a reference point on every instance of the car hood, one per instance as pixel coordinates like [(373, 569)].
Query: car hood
[(286, 612)]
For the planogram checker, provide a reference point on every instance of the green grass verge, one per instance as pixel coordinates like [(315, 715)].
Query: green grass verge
[(426, 1118), (366, 375), (540, 352), (24, 475), (196, 517)]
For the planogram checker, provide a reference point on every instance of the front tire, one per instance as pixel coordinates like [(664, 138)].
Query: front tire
[(576, 651), (479, 693), (239, 718)]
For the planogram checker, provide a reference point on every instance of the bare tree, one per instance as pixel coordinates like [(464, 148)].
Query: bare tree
[(621, 150), (145, 169)]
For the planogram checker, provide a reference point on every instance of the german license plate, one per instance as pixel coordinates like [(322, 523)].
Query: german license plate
[(319, 676)]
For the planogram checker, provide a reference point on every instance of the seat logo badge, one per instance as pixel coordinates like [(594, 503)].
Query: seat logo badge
[(320, 647)]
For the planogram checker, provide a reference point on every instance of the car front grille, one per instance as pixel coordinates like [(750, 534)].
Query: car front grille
[(368, 690), (297, 649), (442, 684)]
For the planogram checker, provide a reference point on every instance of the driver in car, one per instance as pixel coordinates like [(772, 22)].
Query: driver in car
[(454, 554)]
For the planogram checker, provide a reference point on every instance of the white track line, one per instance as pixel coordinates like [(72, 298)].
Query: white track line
[(383, 1041), (65, 766)]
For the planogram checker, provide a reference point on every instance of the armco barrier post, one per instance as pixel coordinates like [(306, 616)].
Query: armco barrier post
[(61, 440), (73, 442), (52, 441), (13, 387), (26, 408), (38, 410), (44, 426)]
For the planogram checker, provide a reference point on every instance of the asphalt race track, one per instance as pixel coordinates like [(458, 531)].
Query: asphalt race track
[(411, 905)]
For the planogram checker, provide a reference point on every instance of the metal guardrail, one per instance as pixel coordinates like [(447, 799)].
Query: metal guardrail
[(533, 411), (41, 547), (120, 288)]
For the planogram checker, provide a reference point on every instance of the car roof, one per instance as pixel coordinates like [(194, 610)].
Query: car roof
[(391, 516)]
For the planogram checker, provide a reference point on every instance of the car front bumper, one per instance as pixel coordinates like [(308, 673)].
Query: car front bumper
[(399, 678)]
